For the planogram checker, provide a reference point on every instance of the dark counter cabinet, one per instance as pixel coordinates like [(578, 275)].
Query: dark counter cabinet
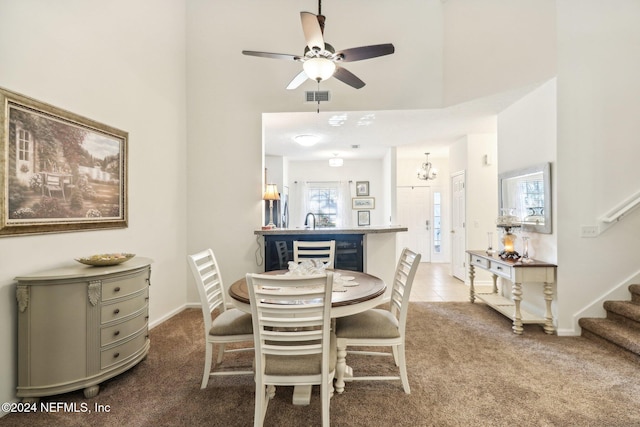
[(279, 250)]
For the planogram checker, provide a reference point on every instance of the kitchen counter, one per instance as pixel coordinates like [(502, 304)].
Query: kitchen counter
[(354, 230)]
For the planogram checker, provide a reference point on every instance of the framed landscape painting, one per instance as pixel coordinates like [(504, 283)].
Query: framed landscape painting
[(60, 172)]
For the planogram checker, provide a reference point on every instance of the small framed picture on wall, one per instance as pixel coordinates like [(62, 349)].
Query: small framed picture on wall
[(362, 188), (364, 217), (362, 203)]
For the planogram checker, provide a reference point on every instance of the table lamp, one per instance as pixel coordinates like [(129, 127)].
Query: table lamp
[(271, 194)]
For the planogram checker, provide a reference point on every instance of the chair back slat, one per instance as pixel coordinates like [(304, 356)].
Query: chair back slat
[(283, 254), (317, 250), (290, 314), (209, 283), (402, 282)]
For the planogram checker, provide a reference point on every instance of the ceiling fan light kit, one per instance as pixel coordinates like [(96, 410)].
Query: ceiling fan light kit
[(319, 69), (320, 60)]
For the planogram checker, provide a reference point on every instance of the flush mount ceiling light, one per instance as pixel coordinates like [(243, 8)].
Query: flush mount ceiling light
[(306, 140), (336, 162), (426, 171)]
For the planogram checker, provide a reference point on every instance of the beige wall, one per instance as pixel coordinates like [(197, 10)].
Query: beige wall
[(598, 150), (93, 59), (492, 46), (527, 137)]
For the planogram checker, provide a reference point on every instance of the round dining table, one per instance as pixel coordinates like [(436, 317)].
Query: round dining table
[(354, 292)]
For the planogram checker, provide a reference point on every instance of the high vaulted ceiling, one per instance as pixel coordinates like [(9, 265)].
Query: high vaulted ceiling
[(404, 102)]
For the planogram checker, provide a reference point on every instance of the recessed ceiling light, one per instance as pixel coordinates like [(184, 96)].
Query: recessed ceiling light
[(337, 119), (366, 120), (306, 140)]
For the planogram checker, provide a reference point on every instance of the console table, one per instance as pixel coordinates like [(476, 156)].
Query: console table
[(517, 272), (80, 325)]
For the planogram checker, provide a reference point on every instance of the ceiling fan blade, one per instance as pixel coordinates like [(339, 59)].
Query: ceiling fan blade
[(366, 52), (297, 80), (271, 55), (348, 77), (312, 31)]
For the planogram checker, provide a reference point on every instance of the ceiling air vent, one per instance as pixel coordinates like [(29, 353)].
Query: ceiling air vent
[(317, 96)]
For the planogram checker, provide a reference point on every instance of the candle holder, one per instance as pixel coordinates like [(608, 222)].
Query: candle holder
[(507, 222), (508, 243), (525, 250)]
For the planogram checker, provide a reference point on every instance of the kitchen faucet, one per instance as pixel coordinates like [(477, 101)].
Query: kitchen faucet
[(306, 220)]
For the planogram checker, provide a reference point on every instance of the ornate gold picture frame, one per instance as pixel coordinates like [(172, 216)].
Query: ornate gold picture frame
[(60, 172)]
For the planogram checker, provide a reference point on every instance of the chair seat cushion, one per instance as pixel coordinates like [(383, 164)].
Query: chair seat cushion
[(373, 323), (309, 364), (232, 322)]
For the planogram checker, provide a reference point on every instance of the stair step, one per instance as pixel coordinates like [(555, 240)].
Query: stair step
[(625, 312), (612, 332)]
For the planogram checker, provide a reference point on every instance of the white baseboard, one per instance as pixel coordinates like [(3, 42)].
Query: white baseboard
[(171, 314), (618, 292), (568, 333)]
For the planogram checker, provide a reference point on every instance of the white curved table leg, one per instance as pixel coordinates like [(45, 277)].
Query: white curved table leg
[(548, 296), (341, 365), (517, 316)]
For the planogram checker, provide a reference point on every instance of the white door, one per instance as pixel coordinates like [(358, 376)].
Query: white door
[(414, 212), (458, 232)]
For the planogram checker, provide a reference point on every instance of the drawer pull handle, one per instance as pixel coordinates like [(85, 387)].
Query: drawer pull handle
[(498, 268), (146, 317), (116, 333), (146, 298), (117, 289), (116, 355), (116, 311)]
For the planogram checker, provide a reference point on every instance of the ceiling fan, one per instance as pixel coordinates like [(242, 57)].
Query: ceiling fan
[(320, 60)]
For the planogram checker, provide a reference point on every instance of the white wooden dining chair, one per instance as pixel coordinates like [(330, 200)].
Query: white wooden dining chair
[(292, 337), (229, 326), (324, 251), (379, 327)]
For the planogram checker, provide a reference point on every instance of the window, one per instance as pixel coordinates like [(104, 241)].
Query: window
[(437, 222), (532, 196), (323, 203), (24, 143)]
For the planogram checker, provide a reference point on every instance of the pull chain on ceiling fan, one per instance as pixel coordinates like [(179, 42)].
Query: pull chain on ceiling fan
[(320, 61)]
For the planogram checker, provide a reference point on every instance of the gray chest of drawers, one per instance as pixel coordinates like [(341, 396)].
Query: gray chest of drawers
[(80, 325)]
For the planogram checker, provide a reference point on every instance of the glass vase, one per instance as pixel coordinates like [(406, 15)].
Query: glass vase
[(490, 250)]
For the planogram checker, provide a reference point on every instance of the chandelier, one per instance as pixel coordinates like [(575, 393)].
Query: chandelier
[(426, 171)]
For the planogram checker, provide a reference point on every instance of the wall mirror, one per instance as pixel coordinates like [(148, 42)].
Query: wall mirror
[(526, 193)]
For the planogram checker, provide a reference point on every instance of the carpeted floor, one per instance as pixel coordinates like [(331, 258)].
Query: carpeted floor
[(466, 368)]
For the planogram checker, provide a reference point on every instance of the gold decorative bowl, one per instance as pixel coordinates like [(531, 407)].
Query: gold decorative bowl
[(105, 259)]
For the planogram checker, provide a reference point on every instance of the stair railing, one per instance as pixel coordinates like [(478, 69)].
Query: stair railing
[(621, 210)]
